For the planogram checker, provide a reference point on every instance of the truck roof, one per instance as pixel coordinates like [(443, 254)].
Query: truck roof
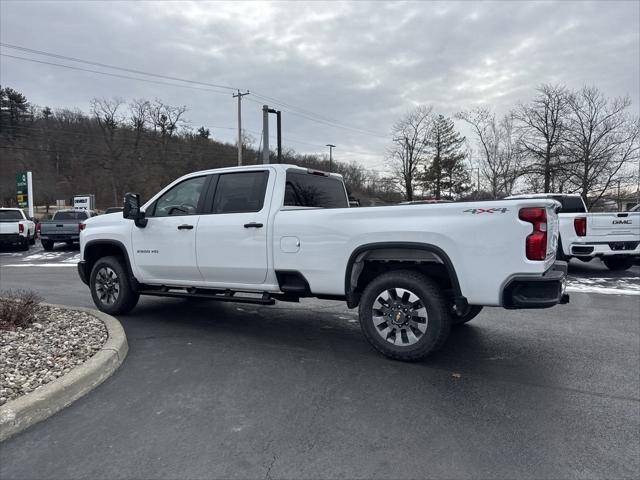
[(542, 195), (276, 166)]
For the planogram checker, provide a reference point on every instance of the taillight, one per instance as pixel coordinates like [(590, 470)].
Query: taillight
[(81, 226), (536, 243), (580, 226), (20, 228)]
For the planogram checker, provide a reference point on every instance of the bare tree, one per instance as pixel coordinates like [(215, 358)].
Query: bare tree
[(500, 160), (106, 113), (541, 126), (410, 146), (602, 138)]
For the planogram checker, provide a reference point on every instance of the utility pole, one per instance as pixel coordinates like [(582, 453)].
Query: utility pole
[(239, 97), (331, 147), (265, 134)]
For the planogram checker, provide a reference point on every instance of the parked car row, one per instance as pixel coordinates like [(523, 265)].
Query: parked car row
[(17, 229)]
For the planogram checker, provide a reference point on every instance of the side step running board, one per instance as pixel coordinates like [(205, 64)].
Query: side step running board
[(228, 296)]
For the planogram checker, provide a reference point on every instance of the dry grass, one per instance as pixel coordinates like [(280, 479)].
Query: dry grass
[(18, 308)]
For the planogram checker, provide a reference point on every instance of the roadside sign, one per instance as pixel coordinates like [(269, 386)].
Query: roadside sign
[(22, 190)]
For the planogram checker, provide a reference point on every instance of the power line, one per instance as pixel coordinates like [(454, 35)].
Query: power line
[(71, 67), (113, 67), (294, 110)]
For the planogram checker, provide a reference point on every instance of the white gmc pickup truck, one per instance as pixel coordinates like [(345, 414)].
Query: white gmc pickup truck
[(280, 232), (614, 237)]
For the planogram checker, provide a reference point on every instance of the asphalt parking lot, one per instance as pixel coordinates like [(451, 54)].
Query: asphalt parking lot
[(294, 391)]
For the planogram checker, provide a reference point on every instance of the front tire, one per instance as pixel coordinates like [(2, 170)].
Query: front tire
[(618, 264), (404, 315), (111, 288), (47, 245), (32, 240)]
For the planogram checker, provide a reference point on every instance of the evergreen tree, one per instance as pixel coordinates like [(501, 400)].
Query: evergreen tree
[(15, 106), (446, 174)]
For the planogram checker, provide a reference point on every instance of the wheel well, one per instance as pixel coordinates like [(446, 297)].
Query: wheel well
[(93, 252), (367, 263)]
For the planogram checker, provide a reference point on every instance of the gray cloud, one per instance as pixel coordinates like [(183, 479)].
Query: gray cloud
[(360, 63)]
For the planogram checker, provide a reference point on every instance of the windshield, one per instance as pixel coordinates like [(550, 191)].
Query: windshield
[(70, 216)]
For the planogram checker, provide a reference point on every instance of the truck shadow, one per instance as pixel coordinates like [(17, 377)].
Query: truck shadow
[(304, 332)]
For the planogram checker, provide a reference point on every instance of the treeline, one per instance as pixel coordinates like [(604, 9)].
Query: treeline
[(561, 141), (119, 146)]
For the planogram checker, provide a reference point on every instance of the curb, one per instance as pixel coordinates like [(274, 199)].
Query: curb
[(19, 414)]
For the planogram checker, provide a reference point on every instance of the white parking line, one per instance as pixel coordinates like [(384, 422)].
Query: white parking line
[(18, 265)]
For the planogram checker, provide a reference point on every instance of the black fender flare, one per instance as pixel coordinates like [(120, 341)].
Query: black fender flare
[(352, 299), (123, 251)]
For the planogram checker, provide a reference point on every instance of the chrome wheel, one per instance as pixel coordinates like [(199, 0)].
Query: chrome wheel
[(107, 286), (399, 317)]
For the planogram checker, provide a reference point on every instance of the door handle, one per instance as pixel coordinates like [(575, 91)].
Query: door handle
[(185, 227), (253, 225)]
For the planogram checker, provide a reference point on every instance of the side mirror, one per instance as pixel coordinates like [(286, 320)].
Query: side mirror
[(131, 209)]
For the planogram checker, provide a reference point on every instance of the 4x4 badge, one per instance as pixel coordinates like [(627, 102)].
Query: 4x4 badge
[(476, 211)]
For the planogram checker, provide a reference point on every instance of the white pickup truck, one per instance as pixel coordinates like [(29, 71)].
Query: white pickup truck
[(280, 232), (614, 237), (16, 228)]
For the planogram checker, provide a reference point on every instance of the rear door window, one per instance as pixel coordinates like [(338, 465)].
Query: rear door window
[(241, 192), (315, 191)]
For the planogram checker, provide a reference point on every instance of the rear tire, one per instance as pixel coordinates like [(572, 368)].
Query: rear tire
[(471, 313), (111, 288), (47, 245), (560, 252), (618, 264), (404, 315), (24, 244)]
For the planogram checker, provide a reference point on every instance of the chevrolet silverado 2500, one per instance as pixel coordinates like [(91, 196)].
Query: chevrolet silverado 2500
[(280, 232), (16, 228), (614, 237)]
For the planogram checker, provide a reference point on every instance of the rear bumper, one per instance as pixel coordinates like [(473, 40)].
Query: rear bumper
[(605, 249), (11, 238), (537, 292), (82, 272), (60, 237)]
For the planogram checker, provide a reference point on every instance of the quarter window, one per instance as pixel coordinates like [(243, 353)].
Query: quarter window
[(180, 200), (240, 192)]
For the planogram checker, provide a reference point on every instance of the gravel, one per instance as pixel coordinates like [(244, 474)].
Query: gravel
[(54, 344)]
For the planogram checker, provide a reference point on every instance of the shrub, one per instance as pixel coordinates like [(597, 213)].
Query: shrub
[(18, 308)]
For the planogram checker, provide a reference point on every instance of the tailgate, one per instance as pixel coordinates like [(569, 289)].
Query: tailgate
[(613, 224), (7, 228), (60, 228)]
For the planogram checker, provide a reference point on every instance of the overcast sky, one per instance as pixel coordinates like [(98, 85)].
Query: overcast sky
[(359, 64)]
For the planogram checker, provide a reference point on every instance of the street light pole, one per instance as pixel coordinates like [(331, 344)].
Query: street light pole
[(331, 147)]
